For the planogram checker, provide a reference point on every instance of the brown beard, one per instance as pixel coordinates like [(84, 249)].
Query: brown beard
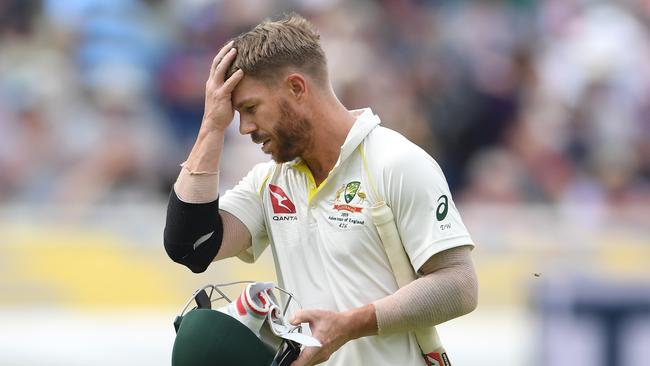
[(293, 134)]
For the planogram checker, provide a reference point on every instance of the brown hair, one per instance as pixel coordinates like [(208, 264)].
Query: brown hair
[(272, 46)]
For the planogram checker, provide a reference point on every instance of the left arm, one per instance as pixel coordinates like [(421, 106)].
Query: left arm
[(447, 289)]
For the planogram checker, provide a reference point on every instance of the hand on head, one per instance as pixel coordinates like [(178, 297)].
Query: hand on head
[(219, 110)]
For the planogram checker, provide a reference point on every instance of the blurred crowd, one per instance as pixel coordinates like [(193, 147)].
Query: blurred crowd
[(518, 100)]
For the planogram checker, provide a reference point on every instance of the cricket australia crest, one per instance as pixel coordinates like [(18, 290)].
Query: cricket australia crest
[(351, 190), (348, 205)]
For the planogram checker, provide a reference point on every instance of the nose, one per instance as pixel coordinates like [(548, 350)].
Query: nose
[(246, 126)]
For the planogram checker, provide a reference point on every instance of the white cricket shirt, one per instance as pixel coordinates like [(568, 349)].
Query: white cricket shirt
[(326, 249)]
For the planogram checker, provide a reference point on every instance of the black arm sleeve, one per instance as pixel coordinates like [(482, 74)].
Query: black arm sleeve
[(193, 232)]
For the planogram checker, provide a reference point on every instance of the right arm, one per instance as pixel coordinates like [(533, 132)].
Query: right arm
[(219, 112), (196, 231)]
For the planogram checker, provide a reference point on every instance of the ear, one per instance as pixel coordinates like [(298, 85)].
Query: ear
[(297, 85)]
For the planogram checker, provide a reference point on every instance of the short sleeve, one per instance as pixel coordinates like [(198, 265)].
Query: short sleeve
[(244, 202), (426, 216)]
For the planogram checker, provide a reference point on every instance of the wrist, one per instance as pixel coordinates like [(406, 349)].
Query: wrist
[(206, 152), (362, 321), (212, 131)]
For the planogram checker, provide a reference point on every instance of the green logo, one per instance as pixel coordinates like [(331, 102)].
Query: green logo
[(351, 190), (443, 207)]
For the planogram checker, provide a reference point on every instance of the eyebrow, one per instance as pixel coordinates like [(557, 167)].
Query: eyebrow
[(239, 105)]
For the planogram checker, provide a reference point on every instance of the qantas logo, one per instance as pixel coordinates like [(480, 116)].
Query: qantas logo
[(281, 202), (436, 359)]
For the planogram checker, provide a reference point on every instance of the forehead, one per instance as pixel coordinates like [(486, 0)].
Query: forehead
[(250, 88)]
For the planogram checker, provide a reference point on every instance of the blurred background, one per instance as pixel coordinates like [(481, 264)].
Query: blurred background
[(538, 112)]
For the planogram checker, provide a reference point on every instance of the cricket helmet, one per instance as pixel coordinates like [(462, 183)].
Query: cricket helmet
[(209, 337)]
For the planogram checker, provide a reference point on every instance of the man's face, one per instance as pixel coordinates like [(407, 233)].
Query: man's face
[(267, 114)]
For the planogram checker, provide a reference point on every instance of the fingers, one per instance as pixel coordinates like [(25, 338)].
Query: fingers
[(220, 71), (217, 59), (297, 318), (302, 316), (220, 65), (306, 357), (232, 82)]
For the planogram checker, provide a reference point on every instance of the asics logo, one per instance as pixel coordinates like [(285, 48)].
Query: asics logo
[(280, 201)]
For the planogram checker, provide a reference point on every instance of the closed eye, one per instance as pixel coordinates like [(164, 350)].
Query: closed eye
[(250, 109)]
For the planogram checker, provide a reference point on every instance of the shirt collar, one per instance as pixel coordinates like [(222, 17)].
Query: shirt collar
[(366, 121)]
